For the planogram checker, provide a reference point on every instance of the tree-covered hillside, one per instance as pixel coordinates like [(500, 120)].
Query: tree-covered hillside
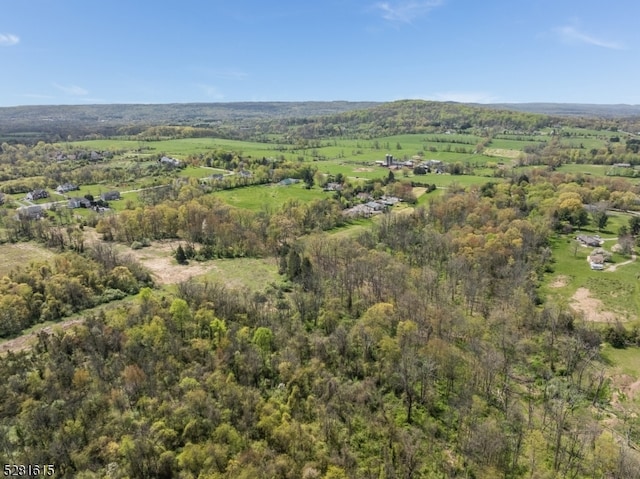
[(408, 290)]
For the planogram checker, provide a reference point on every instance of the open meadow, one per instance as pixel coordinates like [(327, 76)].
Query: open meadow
[(13, 255), (601, 297)]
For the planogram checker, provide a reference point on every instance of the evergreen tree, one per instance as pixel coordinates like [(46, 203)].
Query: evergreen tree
[(294, 263), (181, 256)]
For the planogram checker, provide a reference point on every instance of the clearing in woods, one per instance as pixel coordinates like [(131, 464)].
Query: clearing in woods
[(20, 254)]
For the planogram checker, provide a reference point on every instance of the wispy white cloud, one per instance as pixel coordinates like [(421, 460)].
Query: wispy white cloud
[(8, 39), (571, 34), (73, 90), (405, 11)]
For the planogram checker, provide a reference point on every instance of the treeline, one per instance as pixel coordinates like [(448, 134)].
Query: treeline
[(71, 282), (222, 231), (416, 348), (557, 152)]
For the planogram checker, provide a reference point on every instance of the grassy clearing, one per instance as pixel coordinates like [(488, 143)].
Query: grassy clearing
[(445, 181), (200, 172), (625, 361), (595, 170), (517, 144), (258, 197), (617, 291), (18, 254), (503, 153), (254, 274), (624, 371)]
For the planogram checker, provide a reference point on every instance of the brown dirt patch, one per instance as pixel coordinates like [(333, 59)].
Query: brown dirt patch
[(560, 281), (624, 384), (591, 308), (418, 191), (26, 341), (159, 260), (362, 170)]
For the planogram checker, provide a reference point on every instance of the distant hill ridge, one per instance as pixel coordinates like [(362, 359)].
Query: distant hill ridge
[(573, 109), (177, 112), (57, 122), (180, 112)]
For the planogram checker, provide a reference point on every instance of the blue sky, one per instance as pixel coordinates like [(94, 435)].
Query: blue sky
[(165, 51)]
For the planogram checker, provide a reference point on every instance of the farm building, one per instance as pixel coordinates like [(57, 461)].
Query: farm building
[(589, 240), (332, 186), (110, 196), (288, 181), (172, 162)]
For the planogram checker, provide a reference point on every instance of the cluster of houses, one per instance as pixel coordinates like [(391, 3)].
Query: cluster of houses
[(40, 193), (83, 202), (371, 207), (38, 211), (599, 256), (429, 166)]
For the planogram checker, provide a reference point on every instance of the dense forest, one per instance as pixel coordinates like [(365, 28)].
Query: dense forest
[(415, 344)]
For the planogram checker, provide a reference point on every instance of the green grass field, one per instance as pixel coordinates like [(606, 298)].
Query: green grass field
[(617, 291), (253, 273), (269, 196), (626, 361)]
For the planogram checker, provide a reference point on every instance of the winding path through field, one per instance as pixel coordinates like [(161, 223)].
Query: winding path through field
[(614, 267)]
